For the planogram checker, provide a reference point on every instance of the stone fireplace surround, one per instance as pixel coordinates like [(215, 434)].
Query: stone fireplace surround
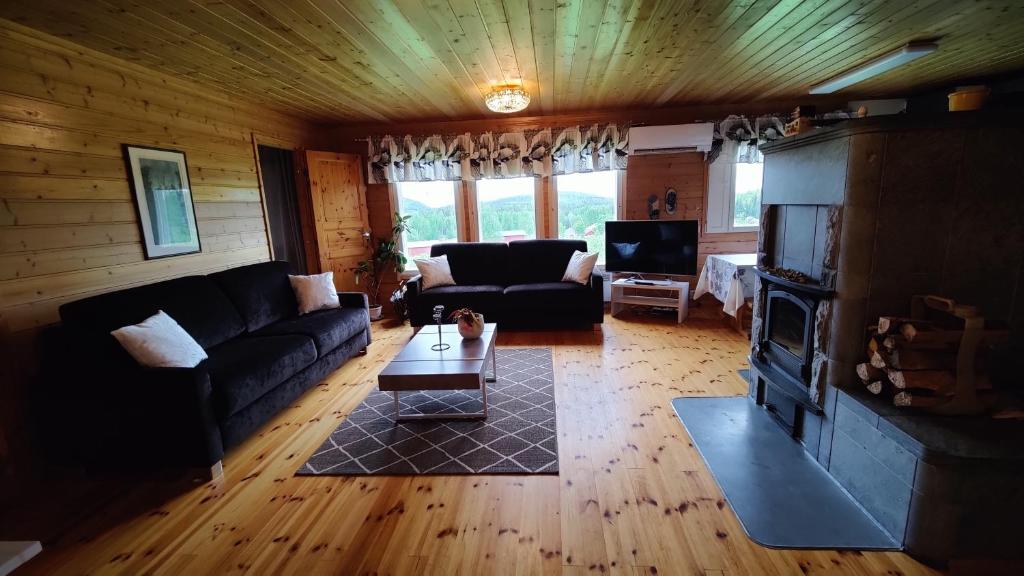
[(870, 210)]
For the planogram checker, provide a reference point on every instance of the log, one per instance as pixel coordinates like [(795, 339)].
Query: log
[(908, 359), (916, 400), (890, 343), (872, 345), (879, 359), (937, 380), (888, 324), (876, 387), (931, 338), (921, 342), (869, 373)]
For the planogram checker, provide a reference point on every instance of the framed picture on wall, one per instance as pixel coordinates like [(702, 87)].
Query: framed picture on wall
[(163, 199)]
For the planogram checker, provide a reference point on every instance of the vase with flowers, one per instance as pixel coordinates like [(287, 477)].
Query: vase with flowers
[(470, 324)]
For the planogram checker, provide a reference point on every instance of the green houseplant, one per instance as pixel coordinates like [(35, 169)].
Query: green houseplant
[(387, 255)]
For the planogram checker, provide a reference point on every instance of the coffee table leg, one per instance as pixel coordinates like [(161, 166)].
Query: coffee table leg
[(398, 408), (483, 388), (494, 367)]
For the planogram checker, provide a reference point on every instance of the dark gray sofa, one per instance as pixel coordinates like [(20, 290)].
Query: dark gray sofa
[(516, 285), (262, 356)]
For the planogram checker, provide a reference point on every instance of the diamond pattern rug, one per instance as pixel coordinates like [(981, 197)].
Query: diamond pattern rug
[(518, 436)]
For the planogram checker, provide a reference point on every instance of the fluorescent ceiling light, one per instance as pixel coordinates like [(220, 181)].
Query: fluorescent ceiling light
[(908, 53)]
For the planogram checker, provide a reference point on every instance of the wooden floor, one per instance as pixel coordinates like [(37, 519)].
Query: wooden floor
[(633, 496)]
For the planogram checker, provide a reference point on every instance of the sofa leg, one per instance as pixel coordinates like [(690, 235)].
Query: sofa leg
[(208, 474), (363, 352)]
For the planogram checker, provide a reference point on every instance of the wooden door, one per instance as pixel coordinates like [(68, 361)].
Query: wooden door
[(339, 211)]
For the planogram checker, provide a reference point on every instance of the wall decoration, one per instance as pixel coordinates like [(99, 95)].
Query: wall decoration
[(163, 200), (653, 207), (670, 201)]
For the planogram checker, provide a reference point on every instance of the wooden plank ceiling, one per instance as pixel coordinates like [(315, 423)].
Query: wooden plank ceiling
[(397, 60)]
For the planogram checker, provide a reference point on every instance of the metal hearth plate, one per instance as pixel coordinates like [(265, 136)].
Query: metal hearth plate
[(781, 495)]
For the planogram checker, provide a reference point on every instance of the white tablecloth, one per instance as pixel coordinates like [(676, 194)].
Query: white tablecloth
[(728, 278)]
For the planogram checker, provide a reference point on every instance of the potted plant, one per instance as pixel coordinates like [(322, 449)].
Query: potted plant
[(387, 255), (471, 324)]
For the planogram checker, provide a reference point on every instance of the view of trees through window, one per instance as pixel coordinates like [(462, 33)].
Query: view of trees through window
[(431, 206), (747, 201), (586, 200), (506, 209)]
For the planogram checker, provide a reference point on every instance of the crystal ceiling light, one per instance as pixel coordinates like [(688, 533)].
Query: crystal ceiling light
[(507, 99)]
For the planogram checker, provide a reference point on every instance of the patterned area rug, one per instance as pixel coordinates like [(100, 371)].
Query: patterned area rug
[(518, 436)]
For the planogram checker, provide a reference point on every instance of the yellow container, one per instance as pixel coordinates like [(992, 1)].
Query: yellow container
[(968, 98)]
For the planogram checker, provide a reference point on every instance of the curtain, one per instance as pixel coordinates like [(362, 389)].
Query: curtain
[(545, 152), (749, 131)]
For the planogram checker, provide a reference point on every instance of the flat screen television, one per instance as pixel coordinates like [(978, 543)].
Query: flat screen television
[(651, 246)]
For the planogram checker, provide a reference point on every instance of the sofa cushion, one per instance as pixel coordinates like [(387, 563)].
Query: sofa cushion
[(195, 303), (476, 263), (247, 367), (261, 292), (485, 299), (532, 261), (327, 328), (435, 271), (160, 342), (526, 298), (315, 292)]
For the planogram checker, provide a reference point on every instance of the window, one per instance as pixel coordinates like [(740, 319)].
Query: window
[(746, 198), (586, 200), (506, 209), (734, 188), (434, 217)]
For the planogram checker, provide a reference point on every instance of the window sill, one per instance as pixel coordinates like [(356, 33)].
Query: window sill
[(734, 230)]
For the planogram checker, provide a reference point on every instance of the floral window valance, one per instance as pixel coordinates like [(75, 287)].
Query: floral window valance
[(750, 132), (466, 156)]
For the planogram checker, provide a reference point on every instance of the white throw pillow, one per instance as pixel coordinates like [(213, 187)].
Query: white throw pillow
[(160, 342), (435, 271), (580, 266), (316, 292)]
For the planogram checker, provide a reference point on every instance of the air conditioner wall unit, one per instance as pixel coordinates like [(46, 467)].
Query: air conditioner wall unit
[(670, 139)]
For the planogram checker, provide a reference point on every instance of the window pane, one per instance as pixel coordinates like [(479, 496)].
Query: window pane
[(747, 205), (432, 207), (585, 202), (506, 209)]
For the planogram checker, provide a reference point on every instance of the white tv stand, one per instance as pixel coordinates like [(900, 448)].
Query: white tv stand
[(680, 301)]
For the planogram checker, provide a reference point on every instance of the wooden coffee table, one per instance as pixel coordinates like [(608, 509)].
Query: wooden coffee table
[(461, 367)]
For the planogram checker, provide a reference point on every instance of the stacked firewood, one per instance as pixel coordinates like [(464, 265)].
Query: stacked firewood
[(915, 371), (933, 360)]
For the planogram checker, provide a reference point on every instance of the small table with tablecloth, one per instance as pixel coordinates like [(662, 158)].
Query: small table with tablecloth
[(729, 278)]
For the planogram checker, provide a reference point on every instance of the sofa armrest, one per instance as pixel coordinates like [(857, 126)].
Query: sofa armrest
[(413, 289), (597, 286), (358, 300), (169, 412)]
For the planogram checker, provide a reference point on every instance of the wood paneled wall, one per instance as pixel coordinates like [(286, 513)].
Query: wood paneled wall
[(68, 226), (687, 172)]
